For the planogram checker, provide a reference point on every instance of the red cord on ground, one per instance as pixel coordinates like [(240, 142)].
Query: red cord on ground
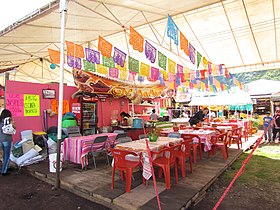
[(241, 170)]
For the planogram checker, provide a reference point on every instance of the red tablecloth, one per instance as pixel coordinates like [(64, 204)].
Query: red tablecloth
[(75, 149)]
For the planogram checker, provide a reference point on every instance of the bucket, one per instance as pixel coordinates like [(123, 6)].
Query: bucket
[(52, 162), (137, 123)]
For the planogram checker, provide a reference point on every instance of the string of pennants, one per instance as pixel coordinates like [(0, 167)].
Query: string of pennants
[(117, 66)]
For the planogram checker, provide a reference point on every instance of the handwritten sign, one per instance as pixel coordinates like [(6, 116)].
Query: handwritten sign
[(31, 105), (14, 103), (54, 104)]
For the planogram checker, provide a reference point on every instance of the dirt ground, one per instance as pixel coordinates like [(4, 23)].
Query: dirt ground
[(20, 191)]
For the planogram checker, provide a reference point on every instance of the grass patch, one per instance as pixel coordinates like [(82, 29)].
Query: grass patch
[(262, 168)]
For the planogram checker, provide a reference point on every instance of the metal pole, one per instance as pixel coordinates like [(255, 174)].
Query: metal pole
[(62, 10)]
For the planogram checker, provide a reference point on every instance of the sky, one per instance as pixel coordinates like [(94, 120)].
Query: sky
[(13, 10)]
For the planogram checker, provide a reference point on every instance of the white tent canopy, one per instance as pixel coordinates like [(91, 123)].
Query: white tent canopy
[(263, 87), (222, 99), (239, 34)]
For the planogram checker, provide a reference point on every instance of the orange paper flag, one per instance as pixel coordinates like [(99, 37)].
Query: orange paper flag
[(105, 47), (75, 50), (136, 40), (184, 44), (54, 56)]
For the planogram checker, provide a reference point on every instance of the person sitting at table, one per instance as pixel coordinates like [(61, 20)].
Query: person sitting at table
[(126, 119), (153, 116), (198, 116)]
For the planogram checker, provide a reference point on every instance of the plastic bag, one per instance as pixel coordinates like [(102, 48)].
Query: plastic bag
[(8, 127)]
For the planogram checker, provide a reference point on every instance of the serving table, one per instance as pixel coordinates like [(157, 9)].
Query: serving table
[(75, 149)]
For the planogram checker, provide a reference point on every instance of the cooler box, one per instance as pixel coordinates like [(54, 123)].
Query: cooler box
[(137, 123)]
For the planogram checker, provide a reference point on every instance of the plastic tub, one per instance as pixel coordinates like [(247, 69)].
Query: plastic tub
[(137, 123)]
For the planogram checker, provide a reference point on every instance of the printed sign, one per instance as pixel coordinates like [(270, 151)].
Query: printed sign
[(31, 105), (14, 103)]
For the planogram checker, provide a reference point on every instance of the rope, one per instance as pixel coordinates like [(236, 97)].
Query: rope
[(242, 168), (152, 168)]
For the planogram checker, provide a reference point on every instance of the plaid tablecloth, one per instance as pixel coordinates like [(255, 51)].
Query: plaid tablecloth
[(75, 149)]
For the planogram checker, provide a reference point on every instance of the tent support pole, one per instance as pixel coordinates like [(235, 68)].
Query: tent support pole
[(63, 10)]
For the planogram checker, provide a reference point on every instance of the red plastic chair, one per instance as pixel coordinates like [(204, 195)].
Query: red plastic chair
[(245, 132), (123, 165), (220, 141), (183, 153), (195, 146), (236, 137), (165, 159)]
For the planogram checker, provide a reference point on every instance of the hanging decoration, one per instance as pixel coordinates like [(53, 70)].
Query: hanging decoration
[(75, 50), (133, 64), (52, 66), (108, 62), (92, 56), (150, 52), (184, 44), (162, 60), (88, 66), (74, 62), (192, 52), (144, 70), (172, 30), (54, 56), (136, 40), (113, 72), (198, 57), (154, 74), (119, 57), (171, 66), (104, 47)]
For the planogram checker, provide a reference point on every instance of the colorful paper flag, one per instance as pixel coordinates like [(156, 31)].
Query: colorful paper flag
[(171, 66), (119, 57), (108, 62), (74, 62), (75, 50), (113, 72), (184, 44), (162, 60), (54, 56), (172, 30), (133, 64), (92, 56), (105, 47), (150, 52), (136, 40), (144, 70), (102, 69), (88, 66)]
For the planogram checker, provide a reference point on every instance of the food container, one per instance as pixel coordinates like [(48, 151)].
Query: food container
[(137, 123)]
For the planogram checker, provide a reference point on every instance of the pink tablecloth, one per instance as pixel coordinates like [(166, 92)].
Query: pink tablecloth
[(205, 136), (75, 149), (139, 146)]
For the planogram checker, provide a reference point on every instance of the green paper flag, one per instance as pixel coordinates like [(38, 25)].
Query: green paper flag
[(198, 56), (162, 60), (88, 66), (133, 64), (108, 62)]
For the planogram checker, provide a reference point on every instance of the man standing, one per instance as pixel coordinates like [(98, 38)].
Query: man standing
[(276, 127)]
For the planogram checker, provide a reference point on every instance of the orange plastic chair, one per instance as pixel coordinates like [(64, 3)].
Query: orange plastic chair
[(123, 165), (183, 153), (165, 159), (236, 137), (220, 141), (195, 146)]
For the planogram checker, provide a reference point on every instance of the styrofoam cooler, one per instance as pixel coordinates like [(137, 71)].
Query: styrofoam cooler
[(52, 162), (27, 134)]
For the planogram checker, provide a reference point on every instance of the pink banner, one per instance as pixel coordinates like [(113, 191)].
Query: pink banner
[(14, 103)]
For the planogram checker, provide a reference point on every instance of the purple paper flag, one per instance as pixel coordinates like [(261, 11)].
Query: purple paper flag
[(92, 56), (119, 57), (74, 62), (150, 51), (192, 52)]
